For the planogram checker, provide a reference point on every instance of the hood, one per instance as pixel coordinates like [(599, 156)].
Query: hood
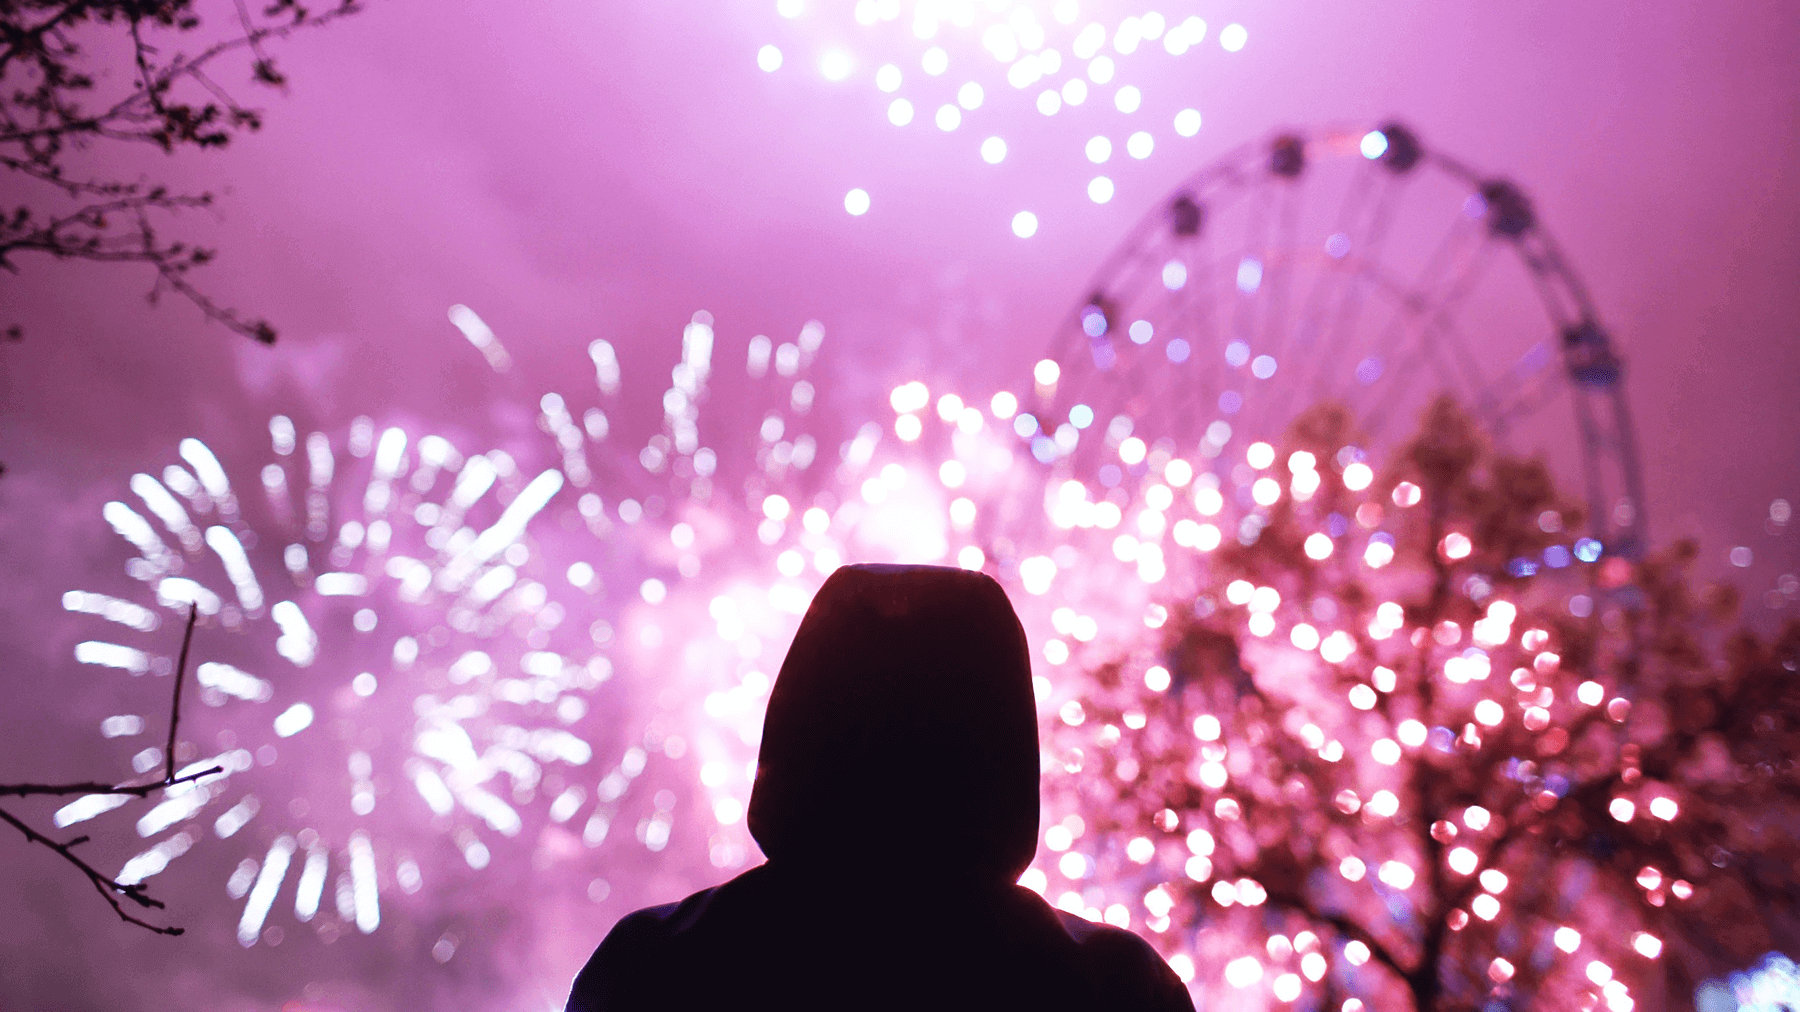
[(901, 734)]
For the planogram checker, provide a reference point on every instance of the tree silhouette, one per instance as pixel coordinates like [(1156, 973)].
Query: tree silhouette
[(1417, 746), (77, 75)]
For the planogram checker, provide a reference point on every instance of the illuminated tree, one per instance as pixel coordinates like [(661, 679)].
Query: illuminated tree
[(1413, 744)]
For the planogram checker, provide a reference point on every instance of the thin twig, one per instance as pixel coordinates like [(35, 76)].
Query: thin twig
[(187, 640), (111, 888)]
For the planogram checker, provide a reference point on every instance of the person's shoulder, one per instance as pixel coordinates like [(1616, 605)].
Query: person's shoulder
[(631, 953), (1124, 966)]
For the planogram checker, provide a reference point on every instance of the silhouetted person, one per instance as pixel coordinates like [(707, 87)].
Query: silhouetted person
[(897, 800)]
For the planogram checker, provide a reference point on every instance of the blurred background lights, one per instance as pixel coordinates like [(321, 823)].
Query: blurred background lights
[(993, 150), (857, 201), (1025, 224), (1005, 59)]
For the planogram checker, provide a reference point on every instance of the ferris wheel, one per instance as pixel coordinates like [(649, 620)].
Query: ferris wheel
[(1347, 265)]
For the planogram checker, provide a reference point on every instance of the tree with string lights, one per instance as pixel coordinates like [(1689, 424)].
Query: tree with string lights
[(1413, 744)]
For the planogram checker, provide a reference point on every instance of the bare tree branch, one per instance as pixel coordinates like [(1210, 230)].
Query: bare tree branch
[(174, 102), (112, 888)]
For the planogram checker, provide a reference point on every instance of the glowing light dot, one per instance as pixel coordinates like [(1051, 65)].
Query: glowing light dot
[(1374, 144), (1100, 70), (653, 591), (1266, 491), (1157, 678), (1385, 751), (900, 112), (1318, 545), (1590, 693), (969, 96), (1243, 971), (1232, 37), (1098, 149), (1648, 946), (1187, 122), (935, 61), (1358, 476), (993, 151), (1622, 809), (1494, 880), (857, 201), (1500, 971), (1304, 636), (1411, 733), (1128, 99), (1287, 987), (1485, 907), (1455, 546), (1489, 713), (1356, 953), (908, 428), (888, 78), (1476, 817), (776, 508), (1362, 697), (948, 118), (1567, 939), (1397, 874), (1406, 494), (1046, 372), (1049, 102), (1353, 869), (1100, 189), (1259, 455), (1599, 972), (1140, 144), (789, 8), (1378, 554), (1664, 808), (1025, 224), (1462, 860), (769, 59), (835, 65)]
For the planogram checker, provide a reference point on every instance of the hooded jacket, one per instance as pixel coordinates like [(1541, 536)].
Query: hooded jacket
[(896, 799)]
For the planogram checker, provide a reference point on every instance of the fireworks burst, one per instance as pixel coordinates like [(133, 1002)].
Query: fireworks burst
[(385, 685), (955, 66)]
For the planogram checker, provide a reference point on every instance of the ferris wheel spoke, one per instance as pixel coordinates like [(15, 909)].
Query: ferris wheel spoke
[(1369, 196), (1433, 321), (1340, 332)]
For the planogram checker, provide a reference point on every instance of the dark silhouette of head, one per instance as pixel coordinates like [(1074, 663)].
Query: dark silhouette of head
[(902, 732)]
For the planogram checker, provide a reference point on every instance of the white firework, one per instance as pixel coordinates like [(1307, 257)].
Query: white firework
[(381, 666)]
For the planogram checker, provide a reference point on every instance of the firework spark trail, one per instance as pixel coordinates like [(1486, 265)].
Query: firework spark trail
[(385, 670), (968, 69)]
